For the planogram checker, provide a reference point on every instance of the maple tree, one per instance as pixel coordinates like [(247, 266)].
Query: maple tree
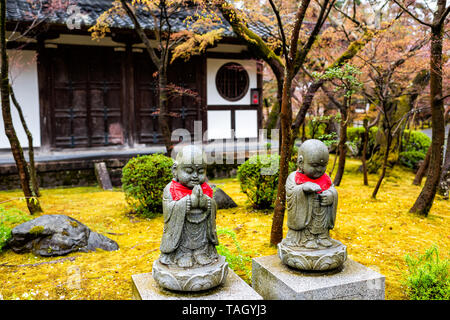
[(170, 42), (394, 79), (438, 18)]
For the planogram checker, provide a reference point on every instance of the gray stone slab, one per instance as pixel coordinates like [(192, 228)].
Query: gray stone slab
[(234, 288), (102, 174), (275, 281)]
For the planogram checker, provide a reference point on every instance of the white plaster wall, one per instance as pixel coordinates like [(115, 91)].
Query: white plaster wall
[(219, 124), (23, 75), (246, 123), (213, 96)]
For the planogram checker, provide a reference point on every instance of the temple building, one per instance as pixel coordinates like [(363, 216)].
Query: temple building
[(98, 99)]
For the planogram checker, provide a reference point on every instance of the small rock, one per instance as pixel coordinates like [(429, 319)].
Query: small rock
[(223, 200)]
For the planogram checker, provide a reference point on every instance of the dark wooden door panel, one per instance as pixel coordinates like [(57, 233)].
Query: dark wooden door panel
[(86, 96), (184, 98)]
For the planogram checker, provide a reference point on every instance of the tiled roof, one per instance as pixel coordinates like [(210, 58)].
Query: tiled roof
[(90, 10)]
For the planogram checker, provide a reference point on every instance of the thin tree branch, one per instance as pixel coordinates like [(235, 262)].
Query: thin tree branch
[(444, 16), (141, 33), (412, 15), (280, 26)]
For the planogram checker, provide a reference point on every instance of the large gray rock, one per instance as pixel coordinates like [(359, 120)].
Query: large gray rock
[(223, 200), (56, 235)]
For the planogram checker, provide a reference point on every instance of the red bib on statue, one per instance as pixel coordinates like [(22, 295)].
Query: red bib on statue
[(178, 191), (324, 181)]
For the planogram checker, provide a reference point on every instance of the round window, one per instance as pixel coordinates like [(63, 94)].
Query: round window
[(232, 81)]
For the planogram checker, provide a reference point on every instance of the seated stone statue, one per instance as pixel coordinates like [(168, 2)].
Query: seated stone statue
[(189, 260), (312, 204)]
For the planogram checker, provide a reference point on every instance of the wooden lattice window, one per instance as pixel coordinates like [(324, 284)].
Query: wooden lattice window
[(232, 81)]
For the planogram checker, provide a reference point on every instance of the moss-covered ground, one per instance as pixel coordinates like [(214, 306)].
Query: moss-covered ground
[(378, 233)]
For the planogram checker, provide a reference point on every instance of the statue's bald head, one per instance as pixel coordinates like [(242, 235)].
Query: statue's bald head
[(191, 154), (189, 167), (313, 158)]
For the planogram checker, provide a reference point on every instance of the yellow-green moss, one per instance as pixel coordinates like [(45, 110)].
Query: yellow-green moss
[(37, 230), (73, 224)]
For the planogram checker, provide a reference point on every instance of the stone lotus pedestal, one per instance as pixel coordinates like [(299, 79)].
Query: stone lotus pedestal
[(190, 279), (275, 281), (313, 259), (233, 288)]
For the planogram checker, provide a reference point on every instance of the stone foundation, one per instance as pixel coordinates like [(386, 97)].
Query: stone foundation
[(234, 288), (275, 281), (73, 173)]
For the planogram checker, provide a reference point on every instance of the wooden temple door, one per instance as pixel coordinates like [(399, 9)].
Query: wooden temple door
[(184, 97), (86, 97)]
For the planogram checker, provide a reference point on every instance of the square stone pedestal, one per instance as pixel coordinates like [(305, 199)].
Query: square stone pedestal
[(276, 281), (234, 288)]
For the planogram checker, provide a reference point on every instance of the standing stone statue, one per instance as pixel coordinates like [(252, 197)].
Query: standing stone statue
[(312, 204), (189, 260)]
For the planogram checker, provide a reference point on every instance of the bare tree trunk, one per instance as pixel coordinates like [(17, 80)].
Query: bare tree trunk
[(385, 164), (334, 163), (22, 167), (425, 200), (163, 119), (276, 234), (422, 169), (364, 151), (443, 188), (32, 165), (342, 143)]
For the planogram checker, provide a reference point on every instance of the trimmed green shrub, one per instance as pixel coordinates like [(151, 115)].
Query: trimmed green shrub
[(258, 177), (355, 137), (415, 141), (428, 276), (411, 159), (415, 145), (143, 182), (9, 218)]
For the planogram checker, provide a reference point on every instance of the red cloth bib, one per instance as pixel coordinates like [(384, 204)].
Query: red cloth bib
[(178, 191), (324, 181)]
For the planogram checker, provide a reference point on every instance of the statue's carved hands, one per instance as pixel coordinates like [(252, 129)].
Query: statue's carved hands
[(326, 198), (196, 196), (203, 201), (310, 187)]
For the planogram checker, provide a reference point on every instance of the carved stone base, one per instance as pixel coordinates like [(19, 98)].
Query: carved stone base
[(190, 279), (313, 259)]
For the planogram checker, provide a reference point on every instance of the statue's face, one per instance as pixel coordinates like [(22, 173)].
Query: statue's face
[(191, 175), (315, 164)]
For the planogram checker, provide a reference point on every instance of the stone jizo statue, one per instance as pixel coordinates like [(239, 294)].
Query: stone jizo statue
[(312, 204), (189, 260)]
